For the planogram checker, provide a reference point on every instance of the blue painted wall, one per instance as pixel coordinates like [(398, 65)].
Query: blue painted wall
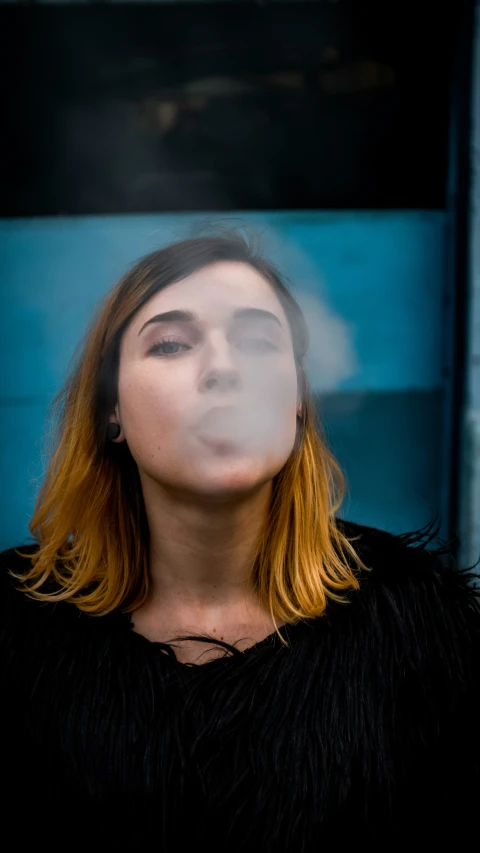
[(373, 287)]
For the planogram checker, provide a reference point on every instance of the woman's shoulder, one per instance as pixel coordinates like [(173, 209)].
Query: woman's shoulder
[(416, 596), (21, 615), (408, 558), (38, 636), (14, 562), (21, 611)]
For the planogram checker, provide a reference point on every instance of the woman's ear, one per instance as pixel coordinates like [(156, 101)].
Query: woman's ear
[(114, 429), (301, 382)]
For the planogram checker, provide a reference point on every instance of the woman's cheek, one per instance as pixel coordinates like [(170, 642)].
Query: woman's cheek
[(282, 390)]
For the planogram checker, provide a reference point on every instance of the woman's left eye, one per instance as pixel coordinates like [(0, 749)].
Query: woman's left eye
[(258, 344)]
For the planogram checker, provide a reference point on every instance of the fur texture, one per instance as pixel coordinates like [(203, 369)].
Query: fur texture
[(364, 731)]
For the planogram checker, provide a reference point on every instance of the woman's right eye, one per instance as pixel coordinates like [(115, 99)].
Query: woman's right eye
[(167, 347)]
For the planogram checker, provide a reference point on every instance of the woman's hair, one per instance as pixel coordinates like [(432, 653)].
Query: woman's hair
[(90, 520)]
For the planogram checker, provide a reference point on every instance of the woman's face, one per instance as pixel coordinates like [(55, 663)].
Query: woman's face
[(207, 391)]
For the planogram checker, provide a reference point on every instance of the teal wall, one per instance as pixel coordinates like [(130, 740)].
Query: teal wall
[(374, 289)]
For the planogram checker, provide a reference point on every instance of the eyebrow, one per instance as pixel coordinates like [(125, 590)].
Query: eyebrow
[(190, 317)]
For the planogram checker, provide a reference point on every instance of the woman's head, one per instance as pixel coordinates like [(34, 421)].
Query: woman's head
[(198, 355), (206, 376)]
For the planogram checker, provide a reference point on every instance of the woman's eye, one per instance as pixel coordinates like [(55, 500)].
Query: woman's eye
[(258, 344), (167, 347), (171, 347)]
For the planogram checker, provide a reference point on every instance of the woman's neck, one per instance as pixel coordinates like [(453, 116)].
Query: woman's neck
[(202, 550)]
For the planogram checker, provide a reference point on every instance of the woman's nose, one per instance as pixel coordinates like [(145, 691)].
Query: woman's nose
[(223, 380), (221, 372)]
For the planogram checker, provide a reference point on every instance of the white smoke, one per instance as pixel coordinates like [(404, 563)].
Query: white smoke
[(331, 356)]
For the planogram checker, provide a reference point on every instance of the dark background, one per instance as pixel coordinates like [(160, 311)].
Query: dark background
[(226, 106)]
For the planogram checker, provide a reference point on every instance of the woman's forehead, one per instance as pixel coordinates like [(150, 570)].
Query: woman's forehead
[(214, 293)]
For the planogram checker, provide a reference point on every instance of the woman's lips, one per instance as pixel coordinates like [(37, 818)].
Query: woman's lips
[(222, 425), (220, 419)]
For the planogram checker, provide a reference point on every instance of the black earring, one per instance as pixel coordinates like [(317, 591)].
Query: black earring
[(113, 431)]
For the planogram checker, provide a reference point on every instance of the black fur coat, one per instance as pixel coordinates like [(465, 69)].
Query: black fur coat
[(364, 732)]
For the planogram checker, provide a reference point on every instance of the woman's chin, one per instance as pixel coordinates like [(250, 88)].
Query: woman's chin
[(230, 480)]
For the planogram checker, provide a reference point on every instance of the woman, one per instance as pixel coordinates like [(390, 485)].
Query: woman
[(196, 651)]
